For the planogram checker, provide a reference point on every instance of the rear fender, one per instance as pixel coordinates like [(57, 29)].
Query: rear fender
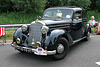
[(87, 29)]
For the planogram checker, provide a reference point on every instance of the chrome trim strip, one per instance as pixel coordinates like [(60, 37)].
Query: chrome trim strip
[(51, 52), (58, 25), (78, 40)]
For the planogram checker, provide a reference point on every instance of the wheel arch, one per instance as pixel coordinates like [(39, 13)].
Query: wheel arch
[(55, 35), (87, 28), (68, 38), (18, 33)]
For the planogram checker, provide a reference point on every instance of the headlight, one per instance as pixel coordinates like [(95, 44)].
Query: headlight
[(18, 41), (44, 29), (24, 28), (38, 44)]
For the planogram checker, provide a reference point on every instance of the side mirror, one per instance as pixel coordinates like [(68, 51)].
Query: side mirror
[(40, 17), (76, 18)]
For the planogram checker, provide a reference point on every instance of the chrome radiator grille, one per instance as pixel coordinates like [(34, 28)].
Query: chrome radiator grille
[(34, 34)]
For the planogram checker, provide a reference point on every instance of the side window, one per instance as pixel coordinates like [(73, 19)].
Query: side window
[(78, 16), (84, 15), (48, 14)]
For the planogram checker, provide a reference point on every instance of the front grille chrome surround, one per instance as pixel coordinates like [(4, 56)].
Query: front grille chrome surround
[(35, 34)]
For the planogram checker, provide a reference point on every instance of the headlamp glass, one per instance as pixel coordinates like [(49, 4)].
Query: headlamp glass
[(44, 29)]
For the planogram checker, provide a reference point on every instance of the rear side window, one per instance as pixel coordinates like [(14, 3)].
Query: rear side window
[(78, 16), (84, 15)]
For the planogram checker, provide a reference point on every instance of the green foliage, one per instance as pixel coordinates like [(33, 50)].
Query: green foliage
[(29, 6), (93, 5), (25, 6), (17, 17), (80, 3), (97, 5), (53, 3), (93, 13), (5, 5)]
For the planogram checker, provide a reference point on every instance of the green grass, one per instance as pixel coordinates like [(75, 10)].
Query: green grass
[(93, 31), (19, 17), (9, 35), (13, 17)]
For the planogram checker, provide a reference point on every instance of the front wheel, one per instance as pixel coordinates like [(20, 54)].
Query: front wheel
[(62, 47)]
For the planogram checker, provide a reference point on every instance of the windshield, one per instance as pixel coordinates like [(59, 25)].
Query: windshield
[(57, 14)]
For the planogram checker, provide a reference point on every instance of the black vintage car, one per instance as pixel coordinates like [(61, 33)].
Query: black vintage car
[(59, 28)]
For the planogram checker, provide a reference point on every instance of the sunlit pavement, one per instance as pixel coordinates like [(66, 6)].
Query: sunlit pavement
[(82, 54)]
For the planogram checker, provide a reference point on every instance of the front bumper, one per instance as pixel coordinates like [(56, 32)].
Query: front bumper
[(32, 50)]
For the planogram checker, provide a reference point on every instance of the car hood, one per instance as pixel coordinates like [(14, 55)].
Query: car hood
[(48, 22)]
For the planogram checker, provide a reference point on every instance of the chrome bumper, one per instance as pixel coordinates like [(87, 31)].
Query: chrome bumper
[(31, 50)]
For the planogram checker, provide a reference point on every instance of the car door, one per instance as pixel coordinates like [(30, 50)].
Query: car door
[(84, 16), (77, 31)]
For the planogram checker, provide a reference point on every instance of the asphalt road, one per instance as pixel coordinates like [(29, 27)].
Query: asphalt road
[(82, 54)]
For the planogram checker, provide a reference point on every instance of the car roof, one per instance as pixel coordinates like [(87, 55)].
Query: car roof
[(68, 7)]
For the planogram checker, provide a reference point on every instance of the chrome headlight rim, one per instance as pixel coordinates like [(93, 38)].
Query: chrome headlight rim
[(24, 28), (44, 29)]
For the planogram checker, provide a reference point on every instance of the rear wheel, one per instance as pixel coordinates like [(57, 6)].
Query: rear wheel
[(61, 48), (87, 36)]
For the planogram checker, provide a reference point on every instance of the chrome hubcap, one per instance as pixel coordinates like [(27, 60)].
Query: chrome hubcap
[(60, 48), (88, 34)]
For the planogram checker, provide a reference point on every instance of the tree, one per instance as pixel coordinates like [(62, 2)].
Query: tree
[(27, 6), (97, 5), (53, 3), (80, 3), (6, 5), (93, 5)]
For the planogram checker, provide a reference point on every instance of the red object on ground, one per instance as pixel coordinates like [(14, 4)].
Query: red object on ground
[(98, 33), (2, 31)]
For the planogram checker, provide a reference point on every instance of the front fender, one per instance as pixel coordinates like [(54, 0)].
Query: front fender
[(53, 36), (17, 34), (21, 36), (87, 29)]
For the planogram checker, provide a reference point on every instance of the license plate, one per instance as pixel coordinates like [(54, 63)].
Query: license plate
[(40, 51)]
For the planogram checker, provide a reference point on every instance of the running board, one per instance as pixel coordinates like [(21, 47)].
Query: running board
[(78, 40)]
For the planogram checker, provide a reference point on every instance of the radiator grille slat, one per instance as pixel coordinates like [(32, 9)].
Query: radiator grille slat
[(34, 33)]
